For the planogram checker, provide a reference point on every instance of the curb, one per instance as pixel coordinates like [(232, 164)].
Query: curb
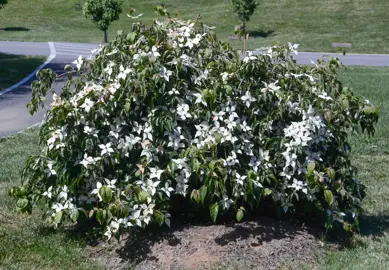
[(32, 74)]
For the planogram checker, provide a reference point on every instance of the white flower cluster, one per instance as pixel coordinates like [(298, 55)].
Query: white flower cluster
[(310, 133)]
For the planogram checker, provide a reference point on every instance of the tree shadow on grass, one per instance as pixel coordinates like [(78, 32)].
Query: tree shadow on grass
[(374, 225), (261, 33), (15, 29)]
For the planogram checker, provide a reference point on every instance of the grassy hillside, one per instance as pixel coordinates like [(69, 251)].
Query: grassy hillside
[(312, 23)]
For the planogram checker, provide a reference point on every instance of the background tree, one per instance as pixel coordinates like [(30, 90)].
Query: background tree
[(3, 3), (244, 9), (103, 12)]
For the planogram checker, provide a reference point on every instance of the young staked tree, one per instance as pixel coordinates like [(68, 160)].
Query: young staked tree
[(244, 9), (3, 3), (102, 13)]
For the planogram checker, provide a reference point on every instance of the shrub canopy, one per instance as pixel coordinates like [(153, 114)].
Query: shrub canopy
[(168, 113)]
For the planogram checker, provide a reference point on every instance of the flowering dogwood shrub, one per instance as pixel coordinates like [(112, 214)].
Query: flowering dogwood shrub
[(169, 111)]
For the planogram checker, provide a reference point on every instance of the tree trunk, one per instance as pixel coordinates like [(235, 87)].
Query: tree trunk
[(245, 36), (105, 36)]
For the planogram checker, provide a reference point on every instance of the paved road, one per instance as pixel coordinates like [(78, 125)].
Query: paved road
[(14, 116)]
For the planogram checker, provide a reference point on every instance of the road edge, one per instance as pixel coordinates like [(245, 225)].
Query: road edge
[(52, 55)]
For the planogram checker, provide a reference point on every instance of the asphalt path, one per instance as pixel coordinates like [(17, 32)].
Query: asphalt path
[(14, 116)]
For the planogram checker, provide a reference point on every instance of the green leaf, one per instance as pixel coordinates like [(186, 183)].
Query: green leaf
[(267, 192), (22, 203), (131, 37), (214, 210), (196, 165), (329, 196), (58, 217), (239, 215), (100, 216), (208, 52), (159, 217), (311, 168), (105, 193), (114, 209), (91, 212), (68, 68), (203, 193), (127, 107), (74, 215), (142, 196), (331, 173), (195, 195)]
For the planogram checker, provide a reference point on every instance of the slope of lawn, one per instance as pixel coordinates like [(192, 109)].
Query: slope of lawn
[(14, 68), (313, 24), (370, 249), (25, 241)]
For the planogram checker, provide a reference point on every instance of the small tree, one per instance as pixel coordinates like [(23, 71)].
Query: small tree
[(103, 12), (244, 9), (3, 3)]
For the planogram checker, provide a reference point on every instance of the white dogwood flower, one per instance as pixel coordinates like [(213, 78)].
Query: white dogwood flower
[(64, 193), (199, 99), (50, 170), (173, 92), (78, 62), (106, 148), (87, 105), (183, 111), (154, 52), (155, 173), (48, 193), (165, 73), (293, 48), (249, 57), (247, 99), (299, 185), (90, 131), (88, 160), (96, 190), (325, 96), (226, 202), (240, 179), (123, 72), (167, 189)]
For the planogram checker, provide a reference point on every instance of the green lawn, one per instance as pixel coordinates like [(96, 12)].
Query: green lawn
[(14, 68), (371, 156), (312, 23), (25, 241)]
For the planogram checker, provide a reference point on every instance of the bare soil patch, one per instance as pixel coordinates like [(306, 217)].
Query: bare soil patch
[(261, 244)]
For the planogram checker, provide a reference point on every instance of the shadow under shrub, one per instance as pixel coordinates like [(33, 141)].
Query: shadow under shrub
[(167, 119)]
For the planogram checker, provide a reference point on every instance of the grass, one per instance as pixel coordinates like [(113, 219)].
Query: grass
[(26, 241), (13, 68), (370, 249), (313, 24)]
